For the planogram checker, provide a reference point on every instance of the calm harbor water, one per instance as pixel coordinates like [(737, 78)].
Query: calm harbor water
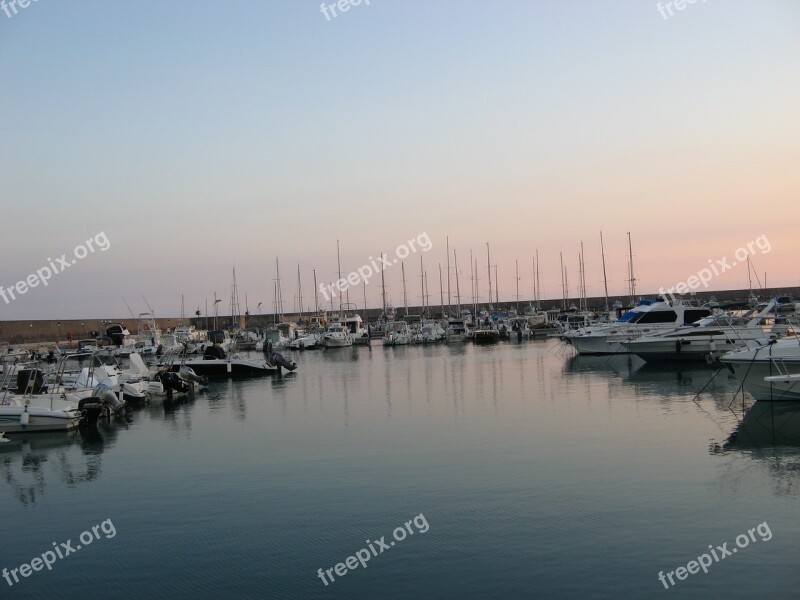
[(539, 475)]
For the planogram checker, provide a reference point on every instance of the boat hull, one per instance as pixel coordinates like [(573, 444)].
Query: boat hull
[(39, 420), (223, 369), (486, 337), (763, 382)]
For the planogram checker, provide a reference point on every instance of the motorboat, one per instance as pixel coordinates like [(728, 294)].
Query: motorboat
[(337, 336), (396, 333), (306, 340), (705, 340), (30, 408), (648, 318), (485, 331), (218, 364), (431, 332), (456, 331), (768, 372), (355, 326), (48, 413)]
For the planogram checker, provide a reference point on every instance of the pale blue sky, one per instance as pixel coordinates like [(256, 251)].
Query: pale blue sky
[(205, 135)]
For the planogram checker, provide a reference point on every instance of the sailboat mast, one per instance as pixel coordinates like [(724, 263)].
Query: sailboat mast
[(278, 292), (339, 264), (538, 284), (274, 304), (633, 279), (422, 283), (365, 299), (477, 287), (300, 291), (489, 270), (563, 286), (516, 267), (383, 293), (448, 276), (583, 279), (405, 296), (426, 296), (441, 292), (471, 279), (316, 297), (496, 289), (458, 290), (605, 279)]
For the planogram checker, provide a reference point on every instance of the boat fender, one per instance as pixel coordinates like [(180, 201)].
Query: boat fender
[(24, 418)]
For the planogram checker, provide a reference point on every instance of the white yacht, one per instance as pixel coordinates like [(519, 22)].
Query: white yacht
[(306, 340), (647, 318), (149, 335), (705, 340), (396, 333), (355, 326), (337, 336), (456, 331), (31, 408), (431, 332), (769, 372), (45, 413)]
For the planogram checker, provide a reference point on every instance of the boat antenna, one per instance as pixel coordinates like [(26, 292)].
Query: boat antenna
[(150, 308), (129, 307)]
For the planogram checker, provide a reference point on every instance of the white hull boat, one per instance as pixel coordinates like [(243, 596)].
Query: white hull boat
[(768, 372), (646, 319)]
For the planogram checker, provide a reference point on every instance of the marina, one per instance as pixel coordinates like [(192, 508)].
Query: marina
[(420, 300), (515, 443)]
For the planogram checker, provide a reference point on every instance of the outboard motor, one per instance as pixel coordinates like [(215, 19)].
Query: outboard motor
[(189, 375), (91, 408), (277, 359), (109, 398), (172, 382)]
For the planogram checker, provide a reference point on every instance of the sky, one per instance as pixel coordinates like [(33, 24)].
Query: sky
[(197, 137)]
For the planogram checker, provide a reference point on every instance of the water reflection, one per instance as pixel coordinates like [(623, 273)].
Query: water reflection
[(75, 457), (767, 425), (663, 380), (769, 434)]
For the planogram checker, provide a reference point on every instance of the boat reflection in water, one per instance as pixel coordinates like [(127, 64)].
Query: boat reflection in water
[(74, 457), (767, 425), (661, 379), (770, 433)]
